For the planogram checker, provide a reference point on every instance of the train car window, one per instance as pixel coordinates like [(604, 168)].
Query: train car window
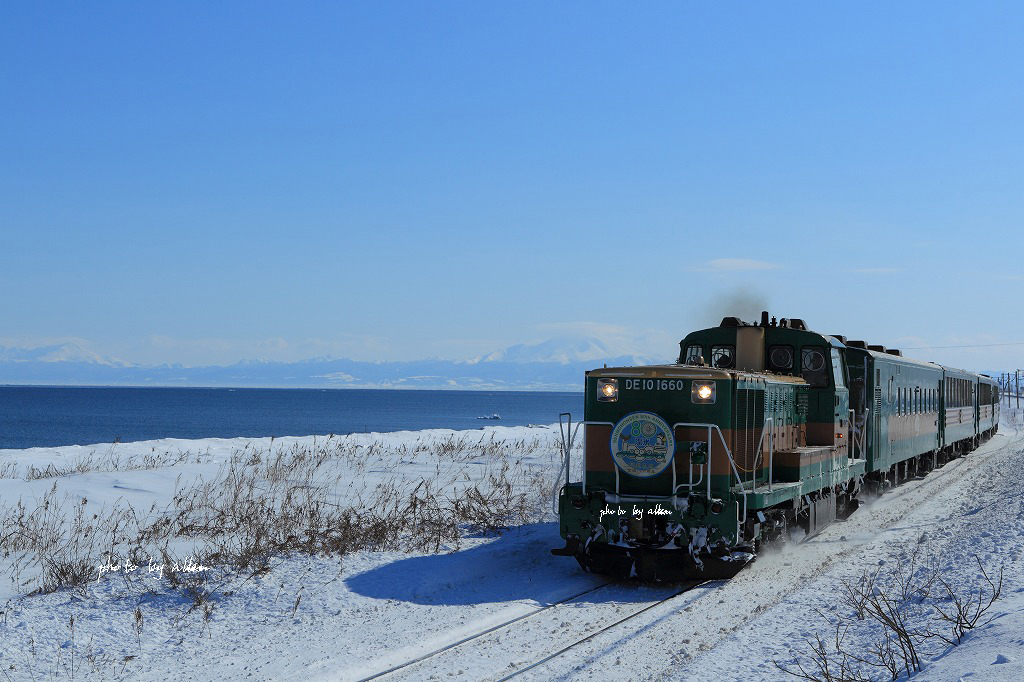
[(780, 358), (693, 355), (723, 357), (813, 366), (837, 369)]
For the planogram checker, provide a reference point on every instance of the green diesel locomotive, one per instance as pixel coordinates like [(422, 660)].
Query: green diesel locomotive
[(759, 431)]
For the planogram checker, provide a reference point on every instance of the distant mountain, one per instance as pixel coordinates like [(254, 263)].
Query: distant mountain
[(554, 365), (64, 352), (562, 350)]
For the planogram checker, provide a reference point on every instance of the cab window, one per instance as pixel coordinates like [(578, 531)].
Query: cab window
[(780, 358), (723, 357), (837, 369), (693, 355), (813, 366)]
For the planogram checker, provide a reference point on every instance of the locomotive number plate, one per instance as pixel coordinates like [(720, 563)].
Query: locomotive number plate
[(654, 385)]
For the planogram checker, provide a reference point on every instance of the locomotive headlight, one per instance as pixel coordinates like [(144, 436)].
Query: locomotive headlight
[(607, 390), (703, 392)]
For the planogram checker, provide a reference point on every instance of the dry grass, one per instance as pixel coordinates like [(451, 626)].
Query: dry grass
[(908, 612), (328, 498), (112, 460)]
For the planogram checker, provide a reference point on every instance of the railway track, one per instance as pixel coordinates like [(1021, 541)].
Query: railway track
[(564, 625), (523, 669)]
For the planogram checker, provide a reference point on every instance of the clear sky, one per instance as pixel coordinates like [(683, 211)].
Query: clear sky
[(207, 182)]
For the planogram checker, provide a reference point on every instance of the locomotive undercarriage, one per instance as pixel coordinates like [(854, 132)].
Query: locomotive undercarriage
[(685, 538), (660, 549), (698, 538)]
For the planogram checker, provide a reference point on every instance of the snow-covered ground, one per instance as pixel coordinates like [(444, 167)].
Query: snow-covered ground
[(307, 615)]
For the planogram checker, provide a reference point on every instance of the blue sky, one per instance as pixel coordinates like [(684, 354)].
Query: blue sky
[(201, 184)]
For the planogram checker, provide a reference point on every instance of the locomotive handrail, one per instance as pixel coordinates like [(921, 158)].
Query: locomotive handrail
[(728, 452), (732, 463), (568, 438), (771, 449), (858, 434), (691, 485)]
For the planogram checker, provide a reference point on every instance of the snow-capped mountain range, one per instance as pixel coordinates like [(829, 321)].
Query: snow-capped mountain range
[(562, 350), (554, 364), (64, 352)]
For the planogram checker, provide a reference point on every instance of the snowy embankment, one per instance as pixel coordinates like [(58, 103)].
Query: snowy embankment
[(343, 557)]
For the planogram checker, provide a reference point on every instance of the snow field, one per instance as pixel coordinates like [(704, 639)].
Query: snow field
[(348, 614), (243, 510)]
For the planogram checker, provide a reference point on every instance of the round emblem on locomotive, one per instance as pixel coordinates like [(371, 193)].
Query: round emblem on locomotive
[(642, 444)]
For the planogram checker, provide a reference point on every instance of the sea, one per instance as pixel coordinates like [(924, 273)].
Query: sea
[(49, 416)]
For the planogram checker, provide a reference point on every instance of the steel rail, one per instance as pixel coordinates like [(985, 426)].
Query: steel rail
[(689, 586), (489, 630)]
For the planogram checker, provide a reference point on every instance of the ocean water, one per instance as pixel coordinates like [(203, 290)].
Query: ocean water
[(46, 416)]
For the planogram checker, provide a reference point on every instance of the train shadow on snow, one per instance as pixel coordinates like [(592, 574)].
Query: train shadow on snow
[(516, 566)]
